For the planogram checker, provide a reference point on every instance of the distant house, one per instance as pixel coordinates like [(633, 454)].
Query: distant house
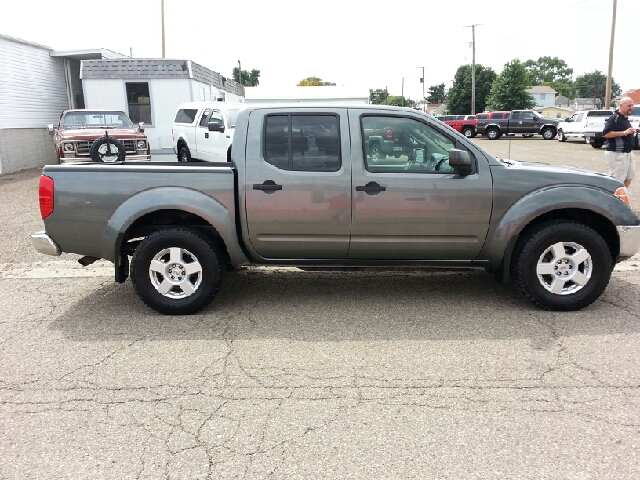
[(543, 95), (436, 109), (634, 94), (556, 112), (586, 104), (562, 101)]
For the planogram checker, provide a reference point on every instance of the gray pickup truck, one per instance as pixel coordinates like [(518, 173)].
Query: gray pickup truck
[(525, 122), (302, 188)]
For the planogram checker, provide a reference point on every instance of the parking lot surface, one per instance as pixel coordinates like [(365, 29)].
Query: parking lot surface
[(291, 374)]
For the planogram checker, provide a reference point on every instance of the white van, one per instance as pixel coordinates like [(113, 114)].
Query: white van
[(204, 130)]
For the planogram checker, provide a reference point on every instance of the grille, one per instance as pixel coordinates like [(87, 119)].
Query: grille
[(84, 148)]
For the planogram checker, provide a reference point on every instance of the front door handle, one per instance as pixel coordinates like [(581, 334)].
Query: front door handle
[(371, 188), (268, 186)]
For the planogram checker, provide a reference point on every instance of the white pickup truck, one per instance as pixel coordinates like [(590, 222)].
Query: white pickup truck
[(575, 125), (204, 131), (593, 130)]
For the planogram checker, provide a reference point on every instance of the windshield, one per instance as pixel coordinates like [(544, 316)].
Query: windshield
[(96, 120), (231, 117)]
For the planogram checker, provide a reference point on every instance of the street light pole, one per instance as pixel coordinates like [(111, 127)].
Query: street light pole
[(162, 15), (607, 100), (473, 67), (424, 108)]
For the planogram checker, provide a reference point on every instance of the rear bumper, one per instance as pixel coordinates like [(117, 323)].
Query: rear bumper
[(43, 243), (629, 240)]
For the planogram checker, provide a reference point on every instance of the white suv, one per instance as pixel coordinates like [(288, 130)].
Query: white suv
[(573, 126), (204, 130)]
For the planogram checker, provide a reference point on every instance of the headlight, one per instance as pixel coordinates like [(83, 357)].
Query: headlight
[(142, 144), (68, 147)]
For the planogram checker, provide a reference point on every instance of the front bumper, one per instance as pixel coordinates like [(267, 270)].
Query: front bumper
[(629, 240), (128, 158), (43, 243)]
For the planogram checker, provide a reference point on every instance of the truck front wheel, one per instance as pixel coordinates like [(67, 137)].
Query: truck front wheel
[(176, 271), (492, 133), (562, 265), (376, 154), (548, 133)]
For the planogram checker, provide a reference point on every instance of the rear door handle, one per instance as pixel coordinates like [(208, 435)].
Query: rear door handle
[(268, 186), (371, 188)]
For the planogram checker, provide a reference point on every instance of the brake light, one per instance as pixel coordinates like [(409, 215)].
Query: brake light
[(621, 193), (46, 196), (389, 135)]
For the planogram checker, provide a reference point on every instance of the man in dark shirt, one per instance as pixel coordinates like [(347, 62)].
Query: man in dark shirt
[(619, 134)]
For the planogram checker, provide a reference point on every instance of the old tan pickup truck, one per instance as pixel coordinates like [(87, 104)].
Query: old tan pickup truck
[(99, 136)]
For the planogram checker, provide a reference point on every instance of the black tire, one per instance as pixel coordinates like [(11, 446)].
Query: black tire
[(375, 153), (548, 133), (492, 133), (579, 266), (184, 154), (107, 150), (597, 143), (172, 252), (561, 137), (469, 132), (636, 145)]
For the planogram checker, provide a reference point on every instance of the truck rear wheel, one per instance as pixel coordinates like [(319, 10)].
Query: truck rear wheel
[(492, 133), (375, 153), (176, 271), (597, 143), (562, 265), (469, 132), (548, 133)]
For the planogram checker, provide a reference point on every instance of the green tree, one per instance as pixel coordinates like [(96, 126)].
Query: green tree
[(459, 95), (378, 96), (398, 101), (566, 89), (594, 85), (313, 82), (508, 89), (436, 94), (547, 69), (249, 78)]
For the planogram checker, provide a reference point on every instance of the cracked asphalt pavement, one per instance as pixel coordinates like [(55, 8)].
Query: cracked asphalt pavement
[(291, 374)]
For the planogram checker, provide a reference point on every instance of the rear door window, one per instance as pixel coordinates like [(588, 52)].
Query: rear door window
[(186, 115)]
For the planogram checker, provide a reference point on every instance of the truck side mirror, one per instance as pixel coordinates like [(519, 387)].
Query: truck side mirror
[(461, 161), (141, 127), (50, 128), (215, 125)]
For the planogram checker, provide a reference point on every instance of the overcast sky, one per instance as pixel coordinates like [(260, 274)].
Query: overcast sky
[(361, 44)]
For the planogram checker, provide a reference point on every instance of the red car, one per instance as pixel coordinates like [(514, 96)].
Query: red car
[(99, 136), (465, 124)]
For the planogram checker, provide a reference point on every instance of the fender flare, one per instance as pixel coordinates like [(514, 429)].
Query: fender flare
[(503, 236), (170, 198)]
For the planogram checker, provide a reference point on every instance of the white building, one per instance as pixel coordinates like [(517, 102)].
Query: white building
[(38, 84), (149, 90), (324, 94)]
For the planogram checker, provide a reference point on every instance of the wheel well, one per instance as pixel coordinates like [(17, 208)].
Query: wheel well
[(181, 143), (597, 222), (594, 220), (161, 219)]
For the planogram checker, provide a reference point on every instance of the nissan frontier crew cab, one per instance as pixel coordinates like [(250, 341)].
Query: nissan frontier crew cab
[(302, 188)]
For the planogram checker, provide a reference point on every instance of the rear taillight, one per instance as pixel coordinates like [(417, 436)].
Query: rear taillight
[(389, 135), (46, 196)]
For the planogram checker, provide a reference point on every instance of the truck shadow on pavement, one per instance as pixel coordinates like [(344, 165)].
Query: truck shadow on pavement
[(351, 306)]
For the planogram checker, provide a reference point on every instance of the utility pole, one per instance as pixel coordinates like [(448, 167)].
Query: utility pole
[(424, 108), (162, 19), (473, 67), (403, 90), (239, 73), (607, 100)]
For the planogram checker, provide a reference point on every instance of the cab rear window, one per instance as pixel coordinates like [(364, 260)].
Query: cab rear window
[(636, 111)]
